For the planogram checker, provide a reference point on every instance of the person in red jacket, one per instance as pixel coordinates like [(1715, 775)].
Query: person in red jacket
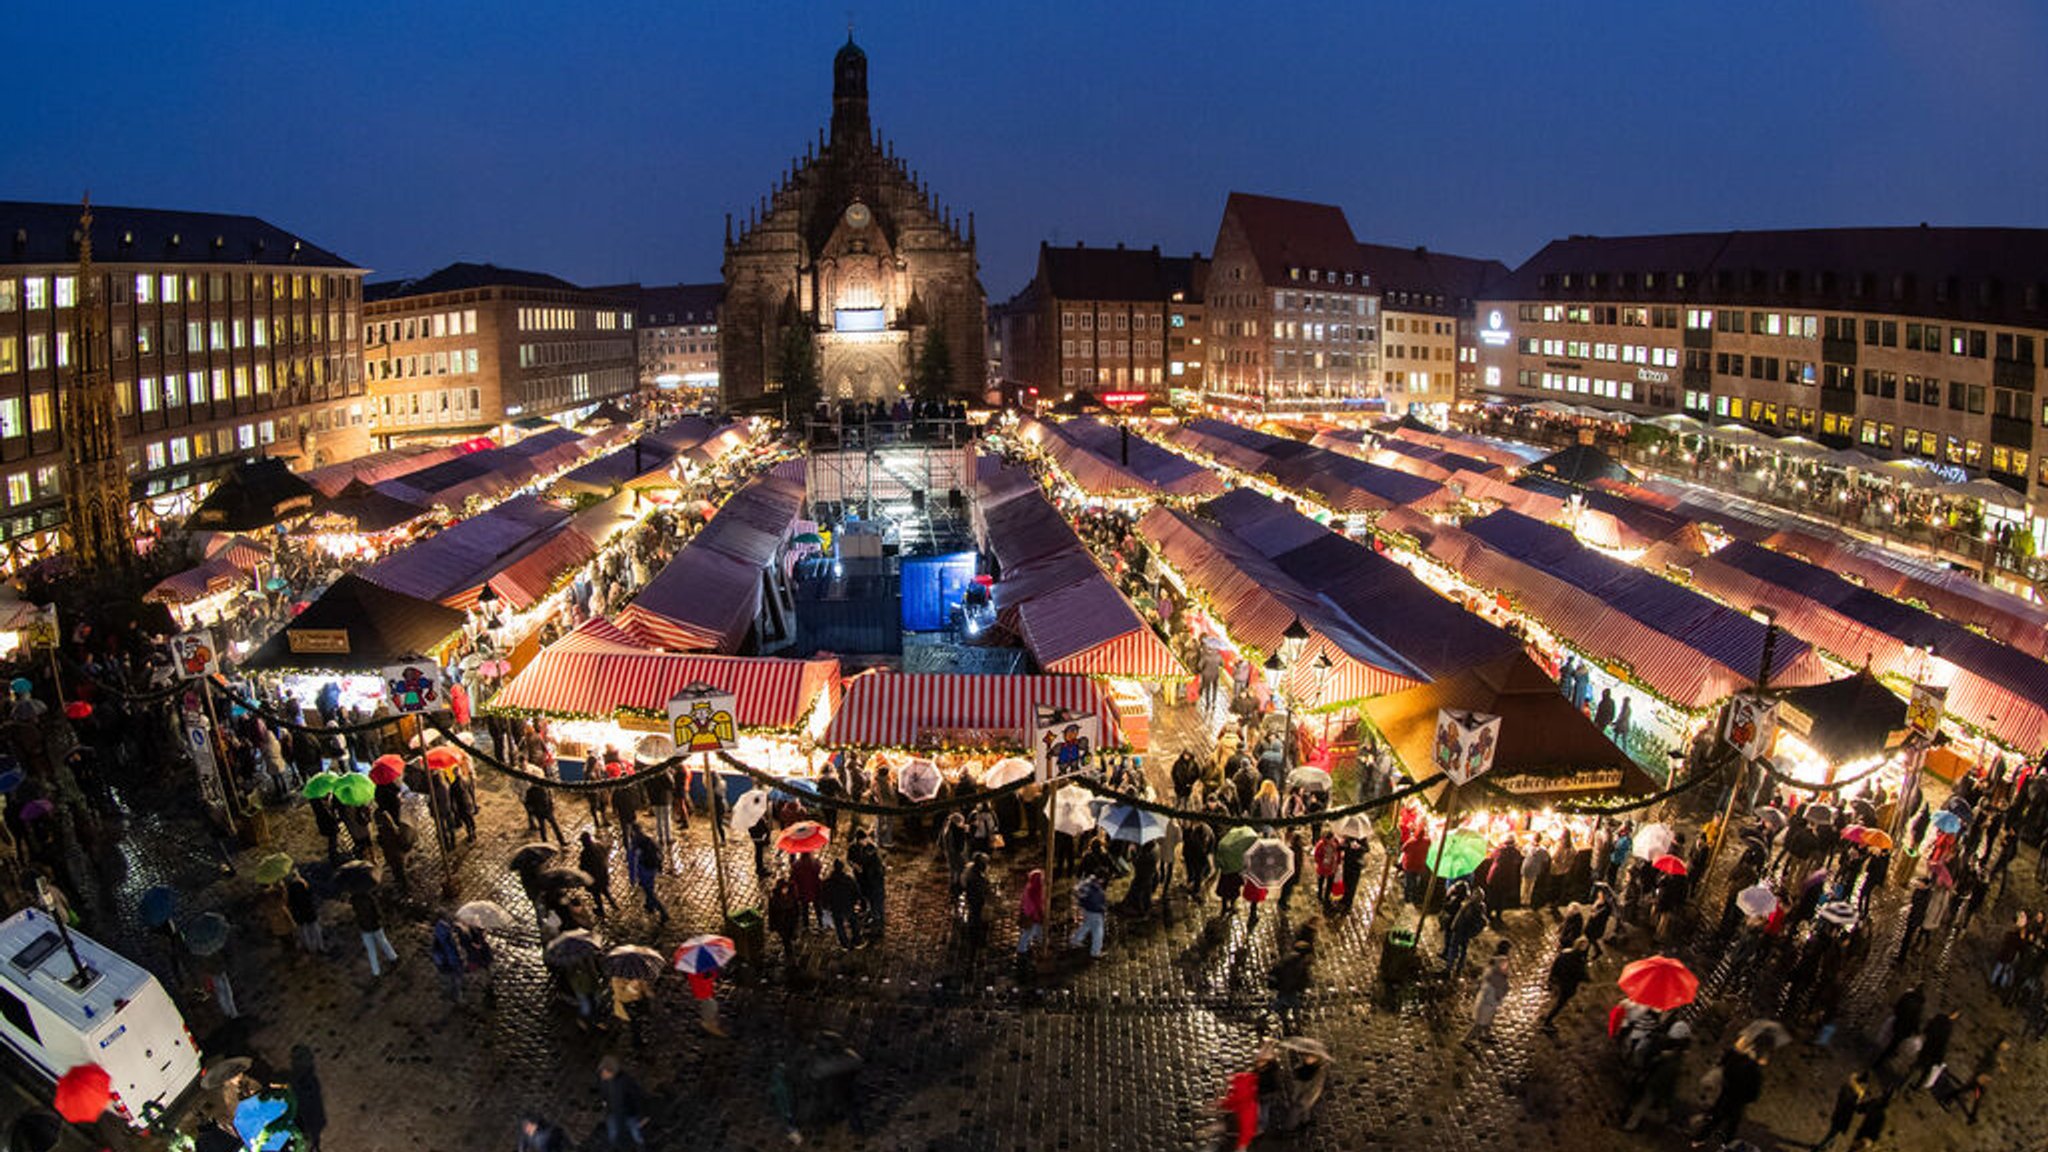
[(1415, 867), (1328, 856)]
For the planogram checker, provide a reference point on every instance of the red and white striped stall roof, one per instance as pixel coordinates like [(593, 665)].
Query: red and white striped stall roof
[(576, 681), (892, 709), (197, 583)]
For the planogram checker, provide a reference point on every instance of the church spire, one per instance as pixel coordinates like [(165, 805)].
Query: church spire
[(95, 468), (850, 128)]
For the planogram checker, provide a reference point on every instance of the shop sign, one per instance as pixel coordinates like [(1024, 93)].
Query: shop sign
[(701, 720), (193, 654), (1465, 744), (41, 631), (1062, 741), (965, 737), (1752, 725), (1924, 708), (412, 688), (317, 641), (1590, 780), (1495, 334)]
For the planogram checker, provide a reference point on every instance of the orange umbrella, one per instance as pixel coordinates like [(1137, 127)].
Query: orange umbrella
[(387, 770), (83, 1093), (803, 836), (442, 758), (1659, 982)]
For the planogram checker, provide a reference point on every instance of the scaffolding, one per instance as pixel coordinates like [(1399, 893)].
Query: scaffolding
[(913, 477)]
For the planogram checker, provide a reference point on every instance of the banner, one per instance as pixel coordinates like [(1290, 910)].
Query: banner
[(42, 632), (700, 719), (1465, 744), (413, 688), (199, 742), (1585, 780), (193, 654), (1752, 725), (1924, 709), (1062, 741)]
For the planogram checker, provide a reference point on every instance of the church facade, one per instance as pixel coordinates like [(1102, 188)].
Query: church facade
[(852, 256)]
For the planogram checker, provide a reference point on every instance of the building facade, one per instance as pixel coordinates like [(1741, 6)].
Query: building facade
[(851, 257), (1427, 302), (1921, 342), (226, 338), (678, 336), (1293, 315), (472, 347), (1107, 321)]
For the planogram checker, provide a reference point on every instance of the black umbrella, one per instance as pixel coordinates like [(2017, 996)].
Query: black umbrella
[(571, 948), (356, 876), (532, 856), (38, 1130), (564, 878), (634, 962)]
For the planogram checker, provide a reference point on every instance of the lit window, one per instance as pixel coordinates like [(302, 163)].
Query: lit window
[(36, 290), (11, 424), (169, 285), (67, 291), (145, 288), (18, 488), (146, 393), (41, 415)]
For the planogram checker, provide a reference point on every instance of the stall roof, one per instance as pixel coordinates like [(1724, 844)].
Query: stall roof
[(892, 709), (685, 433), (1089, 629), (243, 552), (255, 494), (1579, 465), (356, 626), (380, 466), (595, 676), (635, 463), (371, 511), (708, 596), (1548, 750), (462, 557), (1151, 466), (999, 483), (197, 582), (1846, 719), (523, 582)]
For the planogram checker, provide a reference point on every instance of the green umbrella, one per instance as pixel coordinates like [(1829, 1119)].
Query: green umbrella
[(272, 868), (809, 538), (355, 790), (1459, 854), (319, 784), (1231, 848)]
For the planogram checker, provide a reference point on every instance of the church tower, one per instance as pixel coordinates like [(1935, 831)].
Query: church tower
[(851, 131), (95, 467)]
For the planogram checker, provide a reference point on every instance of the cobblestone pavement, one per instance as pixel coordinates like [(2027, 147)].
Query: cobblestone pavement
[(1124, 1053)]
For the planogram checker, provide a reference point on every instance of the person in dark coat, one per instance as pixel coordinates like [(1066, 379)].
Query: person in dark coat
[(466, 807), (328, 822), (540, 813), (1742, 1081), (1350, 869), (625, 1104), (1504, 880), (1197, 850), (784, 916), (807, 879), (1567, 973), (309, 1097), (1603, 716), (596, 861), (840, 894), (974, 894), (871, 875)]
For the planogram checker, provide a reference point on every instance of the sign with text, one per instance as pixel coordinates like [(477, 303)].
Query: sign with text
[(193, 654), (1465, 744), (413, 688), (1590, 780), (42, 632), (1752, 725), (317, 641), (703, 719), (1062, 741), (199, 743)]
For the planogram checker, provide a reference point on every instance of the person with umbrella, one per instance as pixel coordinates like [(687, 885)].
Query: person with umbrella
[(700, 958), (595, 860), (369, 914), (395, 839), (304, 909), (1327, 855)]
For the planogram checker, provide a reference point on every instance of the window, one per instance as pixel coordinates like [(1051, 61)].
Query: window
[(8, 355), (41, 412), (38, 351), (11, 424), (36, 291)]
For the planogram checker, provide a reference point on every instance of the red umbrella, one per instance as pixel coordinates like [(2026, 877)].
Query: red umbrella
[(1659, 982), (442, 758), (387, 770), (804, 836), (77, 710), (1669, 863), (83, 1093)]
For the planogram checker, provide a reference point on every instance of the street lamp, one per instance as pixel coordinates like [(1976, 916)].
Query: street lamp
[(1323, 666)]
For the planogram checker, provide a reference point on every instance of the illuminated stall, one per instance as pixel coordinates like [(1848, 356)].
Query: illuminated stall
[(348, 636)]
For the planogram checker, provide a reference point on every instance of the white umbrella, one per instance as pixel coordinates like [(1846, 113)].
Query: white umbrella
[(1840, 913), (1007, 771), (484, 914), (652, 749), (1352, 827), (918, 780), (1652, 841), (1268, 863), (1757, 900), (1309, 778), (1074, 813), (747, 811)]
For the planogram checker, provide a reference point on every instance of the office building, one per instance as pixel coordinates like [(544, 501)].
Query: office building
[(1122, 322), (1427, 335)]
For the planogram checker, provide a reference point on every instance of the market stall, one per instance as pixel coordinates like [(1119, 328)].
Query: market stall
[(709, 597), (928, 712), (255, 494), (454, 565), (351, 634)]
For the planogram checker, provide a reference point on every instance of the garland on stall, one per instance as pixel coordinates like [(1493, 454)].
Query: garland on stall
[(1803, 786), (234, 697), (1638, 805), (1226, 818)]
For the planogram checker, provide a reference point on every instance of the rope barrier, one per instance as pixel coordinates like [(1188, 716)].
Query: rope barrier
[(1232, 819)]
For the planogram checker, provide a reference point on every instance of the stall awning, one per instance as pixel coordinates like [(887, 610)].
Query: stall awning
[(1089, 629), (894, 710), (524, 581), (241, 551), (256, 494), (197, 583), (380, 466), (368, 509), (707, 597), (355, 626), (458, 560), (1846, 719), (1548, 750), (596, 681)]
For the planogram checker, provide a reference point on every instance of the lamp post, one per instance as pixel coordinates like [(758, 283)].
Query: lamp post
[(1291, 641), (1768, 617), (1323, 666)]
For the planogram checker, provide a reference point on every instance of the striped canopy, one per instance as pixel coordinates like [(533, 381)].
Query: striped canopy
[(889, 709)]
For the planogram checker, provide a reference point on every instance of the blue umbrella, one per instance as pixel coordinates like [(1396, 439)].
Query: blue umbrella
[(259, 1121), (159, 905), (1134, 825), (1947, 821), (10, 780)]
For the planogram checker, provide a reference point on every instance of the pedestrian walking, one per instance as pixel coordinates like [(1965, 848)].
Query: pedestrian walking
[(1464, 927), (370, 923), (1091, 902), (309, 1097), (540, 813), (1327, 855), (704, 990), (625, 1105), (446, 953), (807, 879), (304, 908), (536, 1134), (477, 958), (1657, 1091), (870, 873), (595, 860), (1031, 913), (840, 893), (660, 791), (1493, 990), (1848, 1105), (1741, 1076), (974, 894), (1567, 974), (644, 864)]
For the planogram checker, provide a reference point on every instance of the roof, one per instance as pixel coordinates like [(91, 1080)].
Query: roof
[(389, 464), (1092, 453), (1545, 741), (37, 233), (1580, 464), (371, 510), (1083, 273), (597, 681), (461, 558), (463, 276), (380, 627), (898, 710), (1848, 719), (662, 305), (1988, 275), (1435, 281), (207, 578), (255, 494), (706, 598), (1287, 234)]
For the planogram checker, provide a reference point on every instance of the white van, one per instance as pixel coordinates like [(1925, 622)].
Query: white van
[(106, 1010)]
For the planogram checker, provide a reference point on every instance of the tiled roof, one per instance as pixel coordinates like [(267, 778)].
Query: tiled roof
[(1424, 273), (36, 233), (1287, 234), (463, 276), (1991, 275), (1119, 273)]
